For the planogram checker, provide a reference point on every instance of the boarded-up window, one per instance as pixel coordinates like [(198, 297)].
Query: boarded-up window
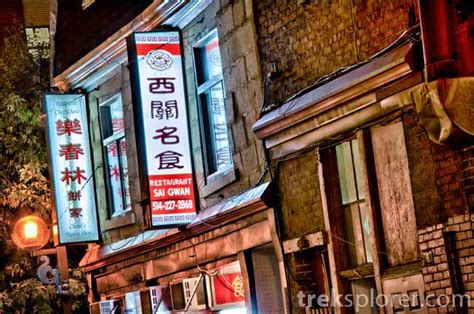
[(394, 187)]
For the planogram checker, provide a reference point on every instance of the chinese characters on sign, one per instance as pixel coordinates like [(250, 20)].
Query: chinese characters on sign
[(165, 125), (228, 289), (74, 195)]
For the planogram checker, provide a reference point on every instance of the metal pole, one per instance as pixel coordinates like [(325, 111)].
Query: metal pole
[(63, 267)]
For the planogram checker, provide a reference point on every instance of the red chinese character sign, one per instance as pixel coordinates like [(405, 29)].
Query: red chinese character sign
[(227, 287), (71, 167), (159, 89)]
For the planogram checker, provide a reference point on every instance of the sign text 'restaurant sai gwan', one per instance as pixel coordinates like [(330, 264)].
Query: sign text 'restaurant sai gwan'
[(162, 110), (71, 167)]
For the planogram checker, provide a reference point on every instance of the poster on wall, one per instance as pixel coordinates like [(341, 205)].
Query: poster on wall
[(161, 113), (71, 167)]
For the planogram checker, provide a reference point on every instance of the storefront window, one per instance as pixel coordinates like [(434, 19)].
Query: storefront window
[(115, 155)]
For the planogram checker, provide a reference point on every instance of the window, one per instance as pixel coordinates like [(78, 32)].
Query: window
[(210, 89), (356, 215), (115, 155)]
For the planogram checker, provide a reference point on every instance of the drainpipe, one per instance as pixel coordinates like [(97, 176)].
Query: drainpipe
[(437, 20), (445, 101)]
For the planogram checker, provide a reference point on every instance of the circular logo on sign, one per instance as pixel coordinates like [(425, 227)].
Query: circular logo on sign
[(159, 60), (215, 57)]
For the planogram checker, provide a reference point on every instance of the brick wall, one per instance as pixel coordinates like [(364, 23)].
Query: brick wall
[(467, 157), (428, 207), (441, 263), (299, 196), (242, 81), (308, 40), (449, 180), (438, 175)]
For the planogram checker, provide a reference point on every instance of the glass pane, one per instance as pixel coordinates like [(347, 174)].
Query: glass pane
[(358, 234), (213, 58), (356, 156), (114, 178), (116, 115), (364, 220), (221, 153), (346, 173), (124, 164), (351, 220), (105, 121), (111, 117), (208, 60)]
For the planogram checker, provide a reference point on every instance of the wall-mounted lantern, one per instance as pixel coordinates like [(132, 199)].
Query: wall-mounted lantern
[(30, 232)]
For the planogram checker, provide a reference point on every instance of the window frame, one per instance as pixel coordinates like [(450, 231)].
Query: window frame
[(219, 178), (334, 208), (363, 250), (105, 141)]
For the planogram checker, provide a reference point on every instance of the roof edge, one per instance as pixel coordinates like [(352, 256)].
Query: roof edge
[(291, 112), (115, 47)]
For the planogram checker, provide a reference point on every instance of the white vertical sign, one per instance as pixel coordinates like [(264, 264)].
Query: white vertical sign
[(71, 167), (165, 126)]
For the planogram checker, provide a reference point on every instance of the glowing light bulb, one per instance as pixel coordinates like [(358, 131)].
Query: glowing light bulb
[(30, 230)]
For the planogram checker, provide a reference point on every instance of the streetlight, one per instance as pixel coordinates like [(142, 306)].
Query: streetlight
[(30, 232)]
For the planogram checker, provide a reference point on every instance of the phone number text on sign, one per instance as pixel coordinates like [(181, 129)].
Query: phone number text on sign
[(163, 111), (172, 194)]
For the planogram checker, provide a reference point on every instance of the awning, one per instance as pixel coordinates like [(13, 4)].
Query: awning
[(235, 208), (364, 93)]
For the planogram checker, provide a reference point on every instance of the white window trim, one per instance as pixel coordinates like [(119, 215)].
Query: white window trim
[(219, 179)]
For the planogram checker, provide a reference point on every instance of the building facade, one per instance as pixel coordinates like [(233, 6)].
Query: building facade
[(229, 256), (383, 200), (331, 148)]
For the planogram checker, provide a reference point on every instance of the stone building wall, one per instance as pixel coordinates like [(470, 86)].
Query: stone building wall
[(242, 80), (305, 40), (126, 226), (243, 90)]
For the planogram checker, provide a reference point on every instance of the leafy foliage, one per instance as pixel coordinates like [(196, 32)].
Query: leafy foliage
[(24, 185)]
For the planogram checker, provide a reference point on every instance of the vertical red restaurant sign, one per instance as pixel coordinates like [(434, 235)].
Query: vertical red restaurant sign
[(159, 92), (71, 167)]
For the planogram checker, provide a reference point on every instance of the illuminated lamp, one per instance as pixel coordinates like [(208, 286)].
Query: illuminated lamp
[(31, 233)]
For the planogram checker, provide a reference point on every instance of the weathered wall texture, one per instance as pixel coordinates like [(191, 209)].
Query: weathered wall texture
[(438, 175), (299, 195), (428, 209), (126, 226), (468, 173), (306, 41), (242, 81), (439, 273)]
